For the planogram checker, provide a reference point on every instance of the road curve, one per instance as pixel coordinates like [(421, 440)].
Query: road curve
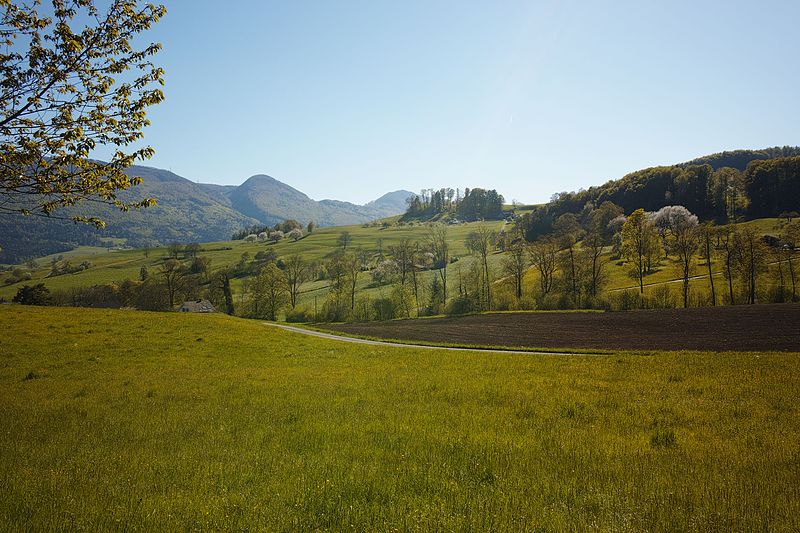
[(356, 340)]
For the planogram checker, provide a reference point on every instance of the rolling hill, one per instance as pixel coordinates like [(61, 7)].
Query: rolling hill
[(186, 212)]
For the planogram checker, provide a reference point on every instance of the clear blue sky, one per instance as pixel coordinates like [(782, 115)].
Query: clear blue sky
[(349, 100)]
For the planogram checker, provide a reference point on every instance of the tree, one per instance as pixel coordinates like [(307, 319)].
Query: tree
[(221, 283), (728, 244), (201, 265), (39, 294), (191, 249), (72, 82), (568, 232), (297, 270), (269, 292), (752, 259), (353, 262), (295, 234), (481, 242), (311, 226), (682, 226), (638, 240), (592, 260), (543, 253), (344, 240), (173, 273), (440, 249), (791, 238), (707, 234), (515, 263), (175, 249)]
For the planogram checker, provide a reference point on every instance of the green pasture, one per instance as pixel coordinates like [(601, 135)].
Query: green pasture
[(118, 264), (136, 420)]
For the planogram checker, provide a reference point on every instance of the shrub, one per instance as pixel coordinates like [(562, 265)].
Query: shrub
[(299, 315), (384, 309), (36, 295), (462, 305), (662, 297)]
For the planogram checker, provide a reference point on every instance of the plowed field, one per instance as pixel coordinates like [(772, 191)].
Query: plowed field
[(738, 328)]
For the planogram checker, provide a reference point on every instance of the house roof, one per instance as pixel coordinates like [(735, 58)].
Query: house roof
[(198, 306)]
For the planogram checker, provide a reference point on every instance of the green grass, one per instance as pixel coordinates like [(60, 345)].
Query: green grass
[(134, 420)]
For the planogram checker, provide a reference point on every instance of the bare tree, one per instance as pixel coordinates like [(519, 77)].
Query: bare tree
[(791, 238), (707, 234), (440, 248), (515, 263), (297, 272), (543, 255), (268, 292), (173, 273), (481, 242), (751, 260), (344, 240), (593, 262), (569, 232)]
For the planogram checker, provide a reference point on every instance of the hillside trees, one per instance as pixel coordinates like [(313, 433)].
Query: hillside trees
[(475, 204), (773, 186), (73, 82)]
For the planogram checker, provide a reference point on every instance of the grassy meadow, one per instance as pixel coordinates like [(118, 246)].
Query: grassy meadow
[(136, 420)]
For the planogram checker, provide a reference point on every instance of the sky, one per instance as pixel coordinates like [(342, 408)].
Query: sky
[(349, 100)]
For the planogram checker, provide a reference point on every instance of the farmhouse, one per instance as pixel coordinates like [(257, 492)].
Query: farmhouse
[(197, 306)]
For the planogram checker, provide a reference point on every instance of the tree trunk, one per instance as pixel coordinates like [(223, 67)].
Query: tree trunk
[(710, 275)]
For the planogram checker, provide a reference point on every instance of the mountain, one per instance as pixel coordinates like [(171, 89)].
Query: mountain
[(186, 212), (396, 202)]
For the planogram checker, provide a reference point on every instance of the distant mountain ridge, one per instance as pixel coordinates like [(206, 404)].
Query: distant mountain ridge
[(187, 212)]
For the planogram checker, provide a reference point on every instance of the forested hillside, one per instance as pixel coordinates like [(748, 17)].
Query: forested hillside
[(766, 188)]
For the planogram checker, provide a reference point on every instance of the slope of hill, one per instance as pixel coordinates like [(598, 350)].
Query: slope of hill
[(186, 212), (739, 159)]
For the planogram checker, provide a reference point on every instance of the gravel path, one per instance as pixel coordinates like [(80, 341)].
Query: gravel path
[(369, 342)]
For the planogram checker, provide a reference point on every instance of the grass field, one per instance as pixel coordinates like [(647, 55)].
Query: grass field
[(135, 420)]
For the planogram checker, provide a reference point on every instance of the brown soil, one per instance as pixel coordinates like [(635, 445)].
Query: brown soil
[(737, 328)]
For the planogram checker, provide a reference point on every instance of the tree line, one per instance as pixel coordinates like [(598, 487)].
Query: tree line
[(766, 188), (473, 204)]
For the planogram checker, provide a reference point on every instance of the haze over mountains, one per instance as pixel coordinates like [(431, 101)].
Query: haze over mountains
[(188, 212)]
